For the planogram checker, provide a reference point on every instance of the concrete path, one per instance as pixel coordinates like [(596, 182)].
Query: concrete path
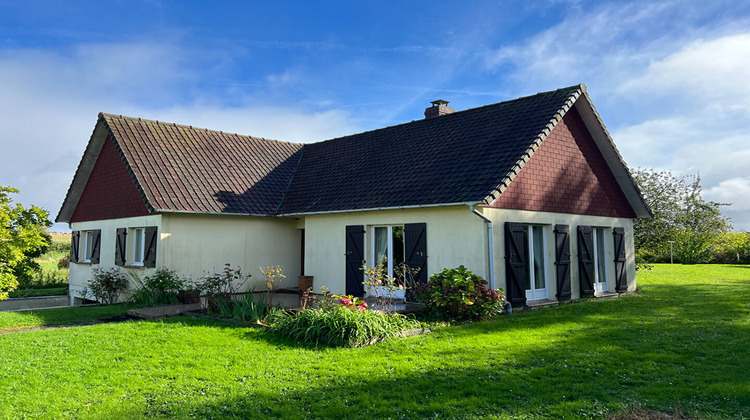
[(164, 311)]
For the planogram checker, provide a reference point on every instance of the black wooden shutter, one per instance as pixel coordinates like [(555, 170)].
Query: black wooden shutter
[(74, 241), (562, 261), (515, 264), (415, 247), (355, 259), (621, 279), (122, 234), (95, 248), (586, 260), (149, 256)]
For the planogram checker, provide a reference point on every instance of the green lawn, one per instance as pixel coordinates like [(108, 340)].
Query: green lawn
[(682, 345)]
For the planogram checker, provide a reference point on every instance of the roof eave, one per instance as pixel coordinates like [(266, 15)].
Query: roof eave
[(612, 156), (415, 206), (86, 166), (83, 171)]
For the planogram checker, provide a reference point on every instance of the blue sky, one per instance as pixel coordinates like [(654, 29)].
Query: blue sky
[(670, 79)]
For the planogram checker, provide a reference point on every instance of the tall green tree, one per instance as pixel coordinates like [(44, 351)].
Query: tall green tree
[(22, 235), (680, 214)]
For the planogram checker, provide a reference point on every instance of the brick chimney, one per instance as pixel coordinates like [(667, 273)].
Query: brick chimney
[(438, 108)]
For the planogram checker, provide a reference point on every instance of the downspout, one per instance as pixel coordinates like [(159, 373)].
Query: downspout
[(490, 247)]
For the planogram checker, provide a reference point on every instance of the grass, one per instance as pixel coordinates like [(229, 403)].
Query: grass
[(680, 346), (61, 316)]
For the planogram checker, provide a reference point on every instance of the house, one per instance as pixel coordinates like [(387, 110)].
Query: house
[(530, 193)]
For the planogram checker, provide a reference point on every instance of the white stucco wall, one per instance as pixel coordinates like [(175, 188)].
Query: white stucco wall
[(455, 236), (80, 273), (548, 220), (196, 244)]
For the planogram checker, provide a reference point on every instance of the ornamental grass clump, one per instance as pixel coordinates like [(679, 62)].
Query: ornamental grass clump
[(341, 320), (459, 294), (161, 288), (342, 326)]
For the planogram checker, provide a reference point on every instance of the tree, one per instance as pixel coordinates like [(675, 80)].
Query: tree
[(22, 235), (680, 214)]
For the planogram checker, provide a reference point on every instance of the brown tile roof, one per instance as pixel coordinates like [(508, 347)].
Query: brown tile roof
[(469, 156), (182, 168)]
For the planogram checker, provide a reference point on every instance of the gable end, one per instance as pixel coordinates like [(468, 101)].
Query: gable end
[(567, 174), (110, 191)]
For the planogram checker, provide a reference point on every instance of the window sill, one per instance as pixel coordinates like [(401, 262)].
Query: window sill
[(82, 263), (134, 266)]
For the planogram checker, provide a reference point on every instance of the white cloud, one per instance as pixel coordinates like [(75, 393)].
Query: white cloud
[(732, 190), (714, 73), (50, 103), (675, 92)]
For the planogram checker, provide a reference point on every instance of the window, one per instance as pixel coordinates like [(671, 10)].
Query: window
[(600, 261), (138, 236), (534, 240), (388, 248), (88, 247), (85, 246), (136, 247)]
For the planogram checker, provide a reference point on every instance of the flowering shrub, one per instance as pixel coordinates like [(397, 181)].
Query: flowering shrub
[(107, 285), (457, 293), (328, 302), (221, 286), (273, 275), (386, 288), (351, 302)]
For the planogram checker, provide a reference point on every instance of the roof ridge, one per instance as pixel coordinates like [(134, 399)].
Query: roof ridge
[(442, 117), (289, 184), (106, 115)]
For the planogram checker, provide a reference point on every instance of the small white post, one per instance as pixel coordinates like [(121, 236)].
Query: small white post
[(671, 259)]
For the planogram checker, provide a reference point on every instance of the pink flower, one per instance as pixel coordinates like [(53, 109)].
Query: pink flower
[(400, 286), (377, 281), (345, 301), (361, 308)]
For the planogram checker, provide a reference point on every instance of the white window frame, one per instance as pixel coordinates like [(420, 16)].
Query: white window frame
[(88, 245), (600, 284), (534, 294), (136, 259), (389, 255)]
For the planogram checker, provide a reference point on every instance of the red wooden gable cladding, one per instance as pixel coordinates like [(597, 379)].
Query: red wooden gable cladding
[(110, 192), (567, 174)]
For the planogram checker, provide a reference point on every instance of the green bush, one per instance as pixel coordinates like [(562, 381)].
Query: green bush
[(107, 285), (457, 293), (161, 288), (694, 247), (341, 326), (221, 287), (46, 291)]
